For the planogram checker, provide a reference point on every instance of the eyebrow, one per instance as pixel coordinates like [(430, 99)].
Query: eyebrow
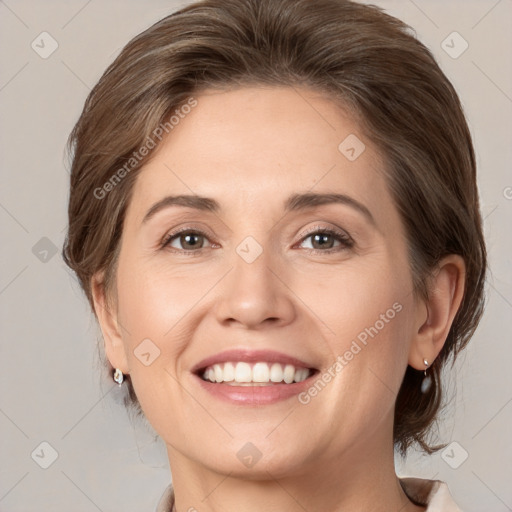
[(296, 202)]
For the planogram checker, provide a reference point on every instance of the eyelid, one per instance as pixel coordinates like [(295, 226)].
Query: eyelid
[(340, 232), (184, 229)]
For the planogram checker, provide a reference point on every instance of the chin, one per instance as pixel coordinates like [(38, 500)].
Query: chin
[(255, 458)]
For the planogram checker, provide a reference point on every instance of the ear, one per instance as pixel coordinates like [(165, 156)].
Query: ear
[(110, 328), (434, 316)]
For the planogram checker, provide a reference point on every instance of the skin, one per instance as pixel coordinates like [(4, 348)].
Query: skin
[(250, 148)]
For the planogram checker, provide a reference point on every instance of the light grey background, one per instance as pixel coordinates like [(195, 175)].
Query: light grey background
[(50, 389)]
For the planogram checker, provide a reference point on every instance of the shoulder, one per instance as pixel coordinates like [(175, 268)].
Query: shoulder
[(432, 493), (166, 501)]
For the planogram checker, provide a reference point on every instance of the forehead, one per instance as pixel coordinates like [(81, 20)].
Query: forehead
[(259, 144)]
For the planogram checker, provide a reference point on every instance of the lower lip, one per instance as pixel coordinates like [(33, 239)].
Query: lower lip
[(254, 395)]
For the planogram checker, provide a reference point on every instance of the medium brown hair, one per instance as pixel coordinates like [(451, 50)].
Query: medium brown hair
[(357, 55)]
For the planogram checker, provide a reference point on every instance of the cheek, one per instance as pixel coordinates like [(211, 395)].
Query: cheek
[(151, 310), (154, 302), (364, 311), (356, 298)]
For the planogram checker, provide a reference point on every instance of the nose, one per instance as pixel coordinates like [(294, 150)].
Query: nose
[(255, 295)]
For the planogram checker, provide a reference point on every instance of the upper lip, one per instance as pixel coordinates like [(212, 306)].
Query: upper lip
[(250, 356)]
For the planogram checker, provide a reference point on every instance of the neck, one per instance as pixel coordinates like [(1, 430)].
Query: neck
[(362, 478)]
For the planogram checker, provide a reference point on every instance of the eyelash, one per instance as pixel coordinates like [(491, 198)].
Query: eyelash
[(345, 240)]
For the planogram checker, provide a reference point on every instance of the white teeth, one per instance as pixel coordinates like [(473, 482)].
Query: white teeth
[(301, 374), (289, 373), (276, 373), (219, 374), (243, 372), (229, 372), (254, 374), (260, 372)]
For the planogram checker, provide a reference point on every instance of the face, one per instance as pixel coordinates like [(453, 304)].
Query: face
[(289, 286)]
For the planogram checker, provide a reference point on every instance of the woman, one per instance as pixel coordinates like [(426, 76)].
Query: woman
[(274, 216)]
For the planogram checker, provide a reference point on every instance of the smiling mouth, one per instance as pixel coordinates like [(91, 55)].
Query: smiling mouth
[(261, 373)]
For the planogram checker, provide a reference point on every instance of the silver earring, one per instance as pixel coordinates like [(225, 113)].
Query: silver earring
[(427, 379), (118, 376)]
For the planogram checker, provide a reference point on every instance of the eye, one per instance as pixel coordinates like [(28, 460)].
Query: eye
[(186, 240), (324, 240)]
